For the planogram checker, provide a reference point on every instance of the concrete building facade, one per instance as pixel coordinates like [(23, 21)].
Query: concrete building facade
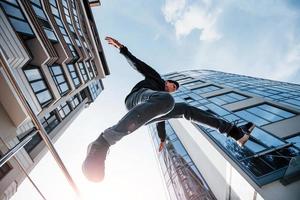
[(52, 62), (200, 163)]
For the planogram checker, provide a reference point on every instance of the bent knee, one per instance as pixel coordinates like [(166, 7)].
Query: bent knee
[(166, 102)]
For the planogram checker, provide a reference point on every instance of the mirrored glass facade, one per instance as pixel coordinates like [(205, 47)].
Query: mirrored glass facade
[(182, 177), (267, 155)]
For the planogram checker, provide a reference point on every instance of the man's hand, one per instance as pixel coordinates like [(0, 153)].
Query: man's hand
[(114, 42), (161, 146)]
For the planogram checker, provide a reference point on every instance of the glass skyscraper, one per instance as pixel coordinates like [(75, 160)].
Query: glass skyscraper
[(200, 163)]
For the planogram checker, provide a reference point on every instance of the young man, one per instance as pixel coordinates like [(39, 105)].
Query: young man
[(150, 101)]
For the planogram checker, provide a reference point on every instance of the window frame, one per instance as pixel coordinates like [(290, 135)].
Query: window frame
[(245, 110), (57, 83), (30, 33), (224, 94), (42, 78), (195, 90)]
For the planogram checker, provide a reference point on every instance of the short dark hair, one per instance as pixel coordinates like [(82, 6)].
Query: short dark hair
[(175, 82)]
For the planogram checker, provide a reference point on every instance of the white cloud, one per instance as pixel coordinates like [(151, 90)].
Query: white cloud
[(198, 15), (260, 40), (173, 9)]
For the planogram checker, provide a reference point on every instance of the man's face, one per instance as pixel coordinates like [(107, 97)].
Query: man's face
[(170, 87)]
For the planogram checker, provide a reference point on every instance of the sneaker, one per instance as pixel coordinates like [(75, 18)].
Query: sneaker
[(93, 166), (246, 129)]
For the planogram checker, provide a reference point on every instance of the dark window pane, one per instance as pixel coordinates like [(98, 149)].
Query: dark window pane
[(12, 10), (13, 2), (59, 79), (264, 114), (55, 11), (277, 111), (53, 2), (251, 118), (21, 26), (295, 140), (36, 2), (32, 74), (38, 86), (39, 12), (43, 97), (265, 138), (50, 34)]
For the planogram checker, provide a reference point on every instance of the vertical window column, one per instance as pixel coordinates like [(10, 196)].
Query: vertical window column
[(57, 17), (64, 110), (43, 20), (59, 79), (50, 121), (91, 72), (74, 75), (83, 72)]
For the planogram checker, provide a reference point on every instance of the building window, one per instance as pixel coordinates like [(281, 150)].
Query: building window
[(205, 89), (57, 18), (74, 75), (38, 85), (295, 139), (264, 114), (95, 89), (83, 72), (16, 17), (59, 79), (191, 84), (293, 102), (94, 67), (175, 76), (43, 20), (227, 98), (50, 121), (75, 101), (178, 167), (64, 110), (35, 140), (5, 168), (90, 70), (189, 99), (259, 158), (184, 79)]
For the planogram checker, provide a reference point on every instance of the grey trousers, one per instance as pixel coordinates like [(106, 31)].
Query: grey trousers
[(146, 106)]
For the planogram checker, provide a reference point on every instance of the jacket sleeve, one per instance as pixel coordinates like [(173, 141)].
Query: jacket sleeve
[(139, 65), (161, 130)]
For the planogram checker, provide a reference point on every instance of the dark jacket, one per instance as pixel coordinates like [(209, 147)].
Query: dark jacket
[(152, 81)]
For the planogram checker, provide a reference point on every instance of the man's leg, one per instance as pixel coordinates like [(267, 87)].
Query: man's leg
[(146, 105), (201, 117)]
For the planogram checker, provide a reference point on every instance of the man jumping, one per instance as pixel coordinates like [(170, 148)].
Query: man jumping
[(150, 101)]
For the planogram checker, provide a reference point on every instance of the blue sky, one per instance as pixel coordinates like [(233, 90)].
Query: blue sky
[(248, 37), (256, 38)]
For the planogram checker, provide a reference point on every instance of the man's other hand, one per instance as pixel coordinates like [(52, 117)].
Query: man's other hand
[(161, 146), (113, 42)]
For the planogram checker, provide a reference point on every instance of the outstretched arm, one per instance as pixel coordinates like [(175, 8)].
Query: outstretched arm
[(136, 63), (161, 130)]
